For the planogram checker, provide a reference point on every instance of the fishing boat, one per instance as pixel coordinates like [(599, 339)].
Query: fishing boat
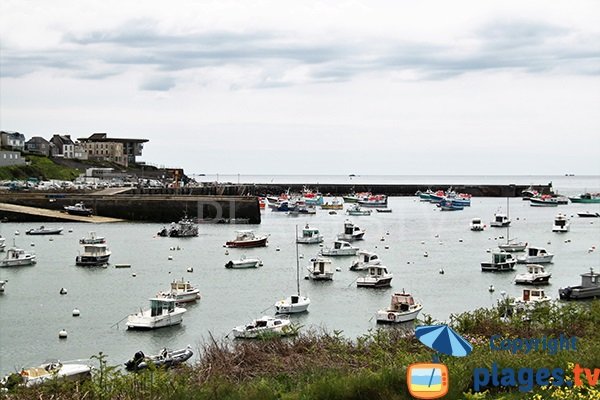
[(295, 303), (79, 209), (181, 291), (589, 288), (356, 210), (403, 308), (543, 201), (339, 248), (379, 200), (529, 193), (265, 325), (531, 298), (535, 255), (44, 231), (561, 223), (334, 205), (320, 269), (477, 225), (244, 262), (355, 197), (588, 214), (184, 228), (351, 232), (51, 369), (16, 257), (501, 261), (424, 196), (162, 313), (247, 238), (586, 198), (500, 220), (310, 236), (93, 255), (92, 239), (165, 359), (364, 259), (535, 275), (449, 205), (377, 277)]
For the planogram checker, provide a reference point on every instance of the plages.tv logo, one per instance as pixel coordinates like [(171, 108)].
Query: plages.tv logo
[(431, 380)]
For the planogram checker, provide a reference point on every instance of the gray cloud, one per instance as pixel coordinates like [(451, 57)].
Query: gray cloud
[(158, 83)]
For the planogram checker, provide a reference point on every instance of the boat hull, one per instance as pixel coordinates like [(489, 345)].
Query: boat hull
[(287, 307), (538, 280), (374, 283), (143, 322), (395, 317), (579, 293), (254, 263), (247, 243), (310, 240), (44, 232), (498, 267), (171, 359), (536, 260), (339, 253), (92, 260), (18, 262)]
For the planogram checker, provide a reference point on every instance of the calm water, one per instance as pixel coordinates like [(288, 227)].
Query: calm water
[(33, 311)]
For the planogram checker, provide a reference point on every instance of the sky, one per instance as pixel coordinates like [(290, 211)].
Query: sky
[(313, 87)]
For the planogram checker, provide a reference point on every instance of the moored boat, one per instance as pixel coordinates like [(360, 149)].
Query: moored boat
[(531, 298), (403, 308), (586, 198), (589, 288), (310, 236), (16, 257), (561, 223), (377, 277), (356, 210), (339, 248), (500, 221), (476, 225), (47, 371), (247, 238), (165, 359), (320, 269), (334, 205), (265, 325), (364, 259), (535, 275), (79, 209), (2, 284), (42, 230), (351, 232), (588, 214), (535, 255), (184, 228), (181, 291), (543, 201), (379, 200), (295, 303), (244, 262), (92, 239), (501, 261), (93, 255), (162, 313)]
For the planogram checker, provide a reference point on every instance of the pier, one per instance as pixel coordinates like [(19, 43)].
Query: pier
[(43, 214)]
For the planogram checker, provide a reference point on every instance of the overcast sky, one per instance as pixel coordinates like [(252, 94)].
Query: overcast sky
[(313, 87)]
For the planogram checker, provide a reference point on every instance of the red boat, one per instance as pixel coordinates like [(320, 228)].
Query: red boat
[(246, 238)]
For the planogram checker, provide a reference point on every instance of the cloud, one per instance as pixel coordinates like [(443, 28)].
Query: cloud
[(158, 83)]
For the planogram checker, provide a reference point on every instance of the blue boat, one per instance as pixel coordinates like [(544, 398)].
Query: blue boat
[(449, 205)]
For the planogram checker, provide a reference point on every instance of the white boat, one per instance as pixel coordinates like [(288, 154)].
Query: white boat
[(79, 209), (162, 313), (364, 259), (511, 245), (181, 291), (588, 214), (377, 277), (535, 275), (17, 257), (92, 239), (247, 238), (561, 223), (51, 370), (295, 303), (42, 230), (356, 210), (165, 359), (403, 308), (244, 262), (501, 261), (321, 269), (544, 201), (310, 236), (535, 255), (530, 298), (477, 225), (500, 220), (93, 255), (184, 228), (351, 232), (340, 248), (264, 326)]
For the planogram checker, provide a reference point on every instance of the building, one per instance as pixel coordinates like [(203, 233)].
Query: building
[(38, 145), (12, 140), (8, 158), (63, 146), (119, 150), (80, 152)]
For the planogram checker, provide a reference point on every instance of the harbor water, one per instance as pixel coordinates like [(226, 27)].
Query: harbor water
[(32, 311)]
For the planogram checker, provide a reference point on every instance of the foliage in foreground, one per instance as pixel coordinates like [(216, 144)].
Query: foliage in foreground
[(329, 366)]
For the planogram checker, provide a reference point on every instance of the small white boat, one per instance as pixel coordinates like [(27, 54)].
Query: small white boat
[(310, 236), (377, 277), (340, 248), (365, 259), (44, 231), (501, 261), (477, 225), (17, 257), (295, 303), (351, 232), (244, 262), (165, 359), (535, 275), (561, 223), (162, 313), (356, 210), (513, 246), (181, 291), (500, 221), (530, 298), (92, 239), (2, 283), (535, 255), (93, 255), (588, 214), (403, 308), (264, 326), (79, 209), (52, 370), (321, 269)]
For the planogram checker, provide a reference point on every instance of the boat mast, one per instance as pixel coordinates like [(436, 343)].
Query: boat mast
[(507, 226), (297, 264)]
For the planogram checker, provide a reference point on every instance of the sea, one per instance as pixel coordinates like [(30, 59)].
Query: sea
[(32, 310)]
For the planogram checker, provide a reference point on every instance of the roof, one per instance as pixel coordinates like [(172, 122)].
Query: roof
[(103, 137), (64, 139), (16, 134)]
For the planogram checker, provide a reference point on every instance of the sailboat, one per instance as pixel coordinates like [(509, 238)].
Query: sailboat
[(295, 303), (511, 246)]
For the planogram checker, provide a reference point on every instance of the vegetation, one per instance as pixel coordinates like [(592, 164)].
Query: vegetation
[(42, 168), (324, 365)]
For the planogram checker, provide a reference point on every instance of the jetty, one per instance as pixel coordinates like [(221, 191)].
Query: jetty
[(43, 214)]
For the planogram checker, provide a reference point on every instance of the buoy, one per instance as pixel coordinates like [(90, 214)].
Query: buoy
[(178, 248), (277, 248), (387, 233), (382, 239), (170, 258), (460, 240), (63, 291), (408, 262), (488, 250), (62, 334), (51, 239), (70, 230), (425, 254), (441, 242), (190, 269), (306, 277), (32, 244), (387, 247), (422, 242), (437, 236), (491, 288), (301, 256), (76, 312), (226, 252), (441, 271), (338, 269), (549, 242), (134, 275)]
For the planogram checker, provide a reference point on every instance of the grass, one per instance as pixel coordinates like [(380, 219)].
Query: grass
[(41, 168), (327, 365)]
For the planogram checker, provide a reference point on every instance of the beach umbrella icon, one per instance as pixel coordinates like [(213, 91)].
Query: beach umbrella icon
[(443, 339)]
